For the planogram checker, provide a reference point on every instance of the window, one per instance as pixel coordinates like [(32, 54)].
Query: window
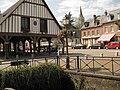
[(97, 22), (106, 29), (112, 28), (43, 26), (110, 17), (84, 33), (25, 24), (86, 24), (92, 33), (88, 33), (98, 32)]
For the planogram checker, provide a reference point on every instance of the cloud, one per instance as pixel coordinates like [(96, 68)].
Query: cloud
[(89, 7), (5, 4), (60, 7)]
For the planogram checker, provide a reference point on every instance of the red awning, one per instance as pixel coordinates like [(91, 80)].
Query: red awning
[(106, 37)]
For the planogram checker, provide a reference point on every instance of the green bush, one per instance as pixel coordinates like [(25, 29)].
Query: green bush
[(42, 77)]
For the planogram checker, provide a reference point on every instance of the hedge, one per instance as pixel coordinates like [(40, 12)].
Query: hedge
[(42, 77)]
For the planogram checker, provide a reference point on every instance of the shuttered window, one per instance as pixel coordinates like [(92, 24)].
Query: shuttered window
[(43, 26), (25, 24)]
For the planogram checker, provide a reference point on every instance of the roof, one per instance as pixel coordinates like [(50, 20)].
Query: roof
[(10, 10), (103, 18)]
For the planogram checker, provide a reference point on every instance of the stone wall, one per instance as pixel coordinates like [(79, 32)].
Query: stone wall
[(101, 84), (95, 82)]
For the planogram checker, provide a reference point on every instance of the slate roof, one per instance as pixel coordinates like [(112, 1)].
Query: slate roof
[(103, 19)]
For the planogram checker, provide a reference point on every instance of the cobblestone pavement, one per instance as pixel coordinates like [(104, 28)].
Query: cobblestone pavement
[(95, 52)]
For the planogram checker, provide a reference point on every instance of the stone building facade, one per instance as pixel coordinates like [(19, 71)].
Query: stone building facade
[(107, 26)]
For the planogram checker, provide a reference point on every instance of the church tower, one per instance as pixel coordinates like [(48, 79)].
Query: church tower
[(81, 18)]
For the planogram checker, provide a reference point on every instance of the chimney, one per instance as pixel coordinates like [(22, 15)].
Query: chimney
[(94, 18), (106, 13)]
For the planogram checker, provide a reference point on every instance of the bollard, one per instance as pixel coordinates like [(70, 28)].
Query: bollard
[(98, 47), (57, 60), (101, 54), (117, 47), (32, 56), (86, 56), (46, 60), (116, 54)]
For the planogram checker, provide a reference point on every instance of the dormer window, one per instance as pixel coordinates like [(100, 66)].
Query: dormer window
[(86, 24), (97, 22), (110, 17)]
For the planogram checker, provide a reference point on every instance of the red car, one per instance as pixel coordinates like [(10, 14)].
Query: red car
[(113, 45)]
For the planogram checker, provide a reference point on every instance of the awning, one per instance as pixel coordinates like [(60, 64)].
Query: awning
[(106, 37)]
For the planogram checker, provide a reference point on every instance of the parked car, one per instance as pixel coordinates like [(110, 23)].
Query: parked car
[(97, 46), (113, 45), (79, 46)]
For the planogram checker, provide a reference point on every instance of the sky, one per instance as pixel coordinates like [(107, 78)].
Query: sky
[(60, 7)]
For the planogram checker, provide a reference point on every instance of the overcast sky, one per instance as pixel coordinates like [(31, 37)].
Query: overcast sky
[(60, 7)]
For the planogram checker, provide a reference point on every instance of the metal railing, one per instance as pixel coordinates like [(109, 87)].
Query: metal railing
[(96, 64)]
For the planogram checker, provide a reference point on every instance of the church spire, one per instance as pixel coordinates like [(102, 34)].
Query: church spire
[(81, 15), (81, 19)]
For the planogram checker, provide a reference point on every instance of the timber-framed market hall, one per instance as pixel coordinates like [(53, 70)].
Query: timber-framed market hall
[(27, 23)]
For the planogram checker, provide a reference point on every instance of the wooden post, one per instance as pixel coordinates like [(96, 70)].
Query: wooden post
[(34, 39), (39, 45), (116, 54), (14, 45), (30, 46), (6, 40), (6, 50), (49, 47), (23, 45)]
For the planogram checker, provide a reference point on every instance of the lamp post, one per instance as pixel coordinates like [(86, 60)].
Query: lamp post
[(66, 22)]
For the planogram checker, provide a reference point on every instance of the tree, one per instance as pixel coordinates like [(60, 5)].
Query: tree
[(66, 31), (70, 19)]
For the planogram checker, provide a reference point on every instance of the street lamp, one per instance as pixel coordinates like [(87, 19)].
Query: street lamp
[(66, 22)]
